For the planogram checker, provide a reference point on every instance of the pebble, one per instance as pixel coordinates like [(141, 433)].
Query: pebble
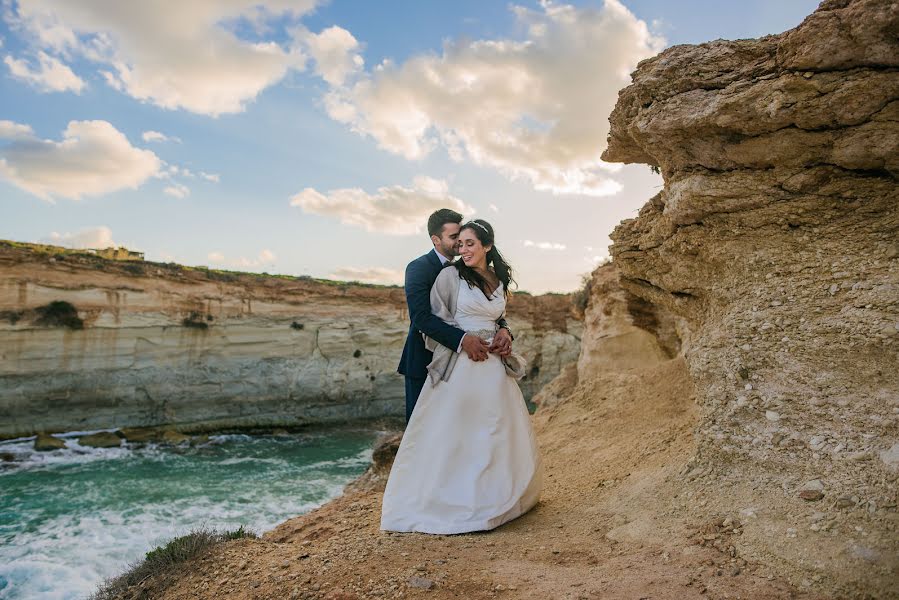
[(772, 415), (817, 442), (814, 484), (811, 495), (420, 583)]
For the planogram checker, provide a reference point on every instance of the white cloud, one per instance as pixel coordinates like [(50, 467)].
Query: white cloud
[(51, 75), (188, 56), (369, 275), (544, 245), (265, 257), (334, 52), (15, 131), (93, 158), (394, 210), (91, 237), (533, 109), (155, 136), (494, 208), (177, 190), (213, 177)]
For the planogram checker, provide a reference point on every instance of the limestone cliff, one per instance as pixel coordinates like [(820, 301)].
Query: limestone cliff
[(151, 344), (775, 243)]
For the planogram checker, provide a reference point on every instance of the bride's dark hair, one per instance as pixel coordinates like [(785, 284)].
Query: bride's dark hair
[(484, 232)]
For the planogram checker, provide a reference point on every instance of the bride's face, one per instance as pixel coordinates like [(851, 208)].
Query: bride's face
[(474, 253)]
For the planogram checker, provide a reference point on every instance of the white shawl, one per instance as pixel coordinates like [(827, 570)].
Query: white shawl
[(444, 298)]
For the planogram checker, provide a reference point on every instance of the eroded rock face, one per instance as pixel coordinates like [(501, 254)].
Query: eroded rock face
[(776, 239), (164, 345), (622, 333)]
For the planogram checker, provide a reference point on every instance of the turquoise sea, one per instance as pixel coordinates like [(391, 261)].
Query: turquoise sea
[(70, 518)]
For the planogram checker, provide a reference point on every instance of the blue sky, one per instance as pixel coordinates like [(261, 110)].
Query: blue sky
[(212, 132)]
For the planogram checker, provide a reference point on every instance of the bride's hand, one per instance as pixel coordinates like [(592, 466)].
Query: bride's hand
[(502, 343), (475, 347)]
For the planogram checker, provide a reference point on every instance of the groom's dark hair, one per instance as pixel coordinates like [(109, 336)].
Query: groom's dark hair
[(441, 217)]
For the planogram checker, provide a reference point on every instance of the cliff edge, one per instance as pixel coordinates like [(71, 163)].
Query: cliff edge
[(90, 343), (775, 243)]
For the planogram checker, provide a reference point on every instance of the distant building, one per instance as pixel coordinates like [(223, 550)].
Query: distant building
[(120, 253)]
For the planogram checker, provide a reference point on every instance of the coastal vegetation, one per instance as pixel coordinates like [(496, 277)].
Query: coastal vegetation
[(162, 564), (58, 313)]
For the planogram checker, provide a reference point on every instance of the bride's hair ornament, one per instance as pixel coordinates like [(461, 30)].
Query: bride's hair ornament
[(484, 232)]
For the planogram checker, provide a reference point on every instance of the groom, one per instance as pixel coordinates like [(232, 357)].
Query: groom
[(443, 227)]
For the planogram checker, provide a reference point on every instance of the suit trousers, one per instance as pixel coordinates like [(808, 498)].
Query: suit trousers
[(413, 389)]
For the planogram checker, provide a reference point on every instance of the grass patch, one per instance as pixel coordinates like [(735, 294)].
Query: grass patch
[(58, 313), (134, 268), (161, 565)]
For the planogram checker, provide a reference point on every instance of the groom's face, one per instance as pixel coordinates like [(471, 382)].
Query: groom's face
[(448, 242)]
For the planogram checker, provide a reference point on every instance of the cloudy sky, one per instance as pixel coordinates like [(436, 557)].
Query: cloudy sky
[(314, 137)]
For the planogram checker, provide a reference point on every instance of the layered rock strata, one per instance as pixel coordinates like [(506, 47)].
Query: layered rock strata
[(776, 241), (152, 344)]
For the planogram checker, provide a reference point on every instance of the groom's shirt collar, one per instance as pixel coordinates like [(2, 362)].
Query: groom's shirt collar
[(443, 259)]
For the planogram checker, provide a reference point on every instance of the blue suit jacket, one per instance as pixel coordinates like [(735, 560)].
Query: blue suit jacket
[(420, 276)]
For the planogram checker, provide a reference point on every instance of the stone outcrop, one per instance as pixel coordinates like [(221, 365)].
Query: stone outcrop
[(622, 333), (89, 343), (775, 242), (44, 442), (103, 439), (382, 455)]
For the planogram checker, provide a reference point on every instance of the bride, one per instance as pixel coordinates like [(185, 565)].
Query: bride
[(468, 460)]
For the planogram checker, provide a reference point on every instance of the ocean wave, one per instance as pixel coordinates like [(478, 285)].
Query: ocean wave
[(81, 514)]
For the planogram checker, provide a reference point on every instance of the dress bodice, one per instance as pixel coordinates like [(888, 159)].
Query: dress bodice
[(474, 311)]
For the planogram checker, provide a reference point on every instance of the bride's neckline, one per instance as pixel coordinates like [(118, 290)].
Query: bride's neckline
[(495, 290)]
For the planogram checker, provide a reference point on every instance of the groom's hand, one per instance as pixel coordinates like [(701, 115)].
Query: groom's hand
[(475, 347), (502, 343)]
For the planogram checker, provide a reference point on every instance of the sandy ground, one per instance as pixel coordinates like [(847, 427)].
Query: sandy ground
[(608, 524)]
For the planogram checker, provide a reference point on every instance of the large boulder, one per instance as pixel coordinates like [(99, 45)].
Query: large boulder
[(140, 434), (383, 453), (104, 439), (170, 436), (45, 442)]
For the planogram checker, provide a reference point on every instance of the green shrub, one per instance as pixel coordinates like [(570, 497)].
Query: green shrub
[(195, 320), (162, 564), (58, 313), (13, 316), (581, 298)]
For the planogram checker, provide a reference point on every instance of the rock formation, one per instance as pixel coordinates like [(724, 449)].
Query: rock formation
[(775, 243), (92, 343)]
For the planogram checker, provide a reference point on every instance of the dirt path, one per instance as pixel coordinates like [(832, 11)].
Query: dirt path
[(609, 525)]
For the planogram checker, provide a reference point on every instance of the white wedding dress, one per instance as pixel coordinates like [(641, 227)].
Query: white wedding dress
[(468, 460)]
